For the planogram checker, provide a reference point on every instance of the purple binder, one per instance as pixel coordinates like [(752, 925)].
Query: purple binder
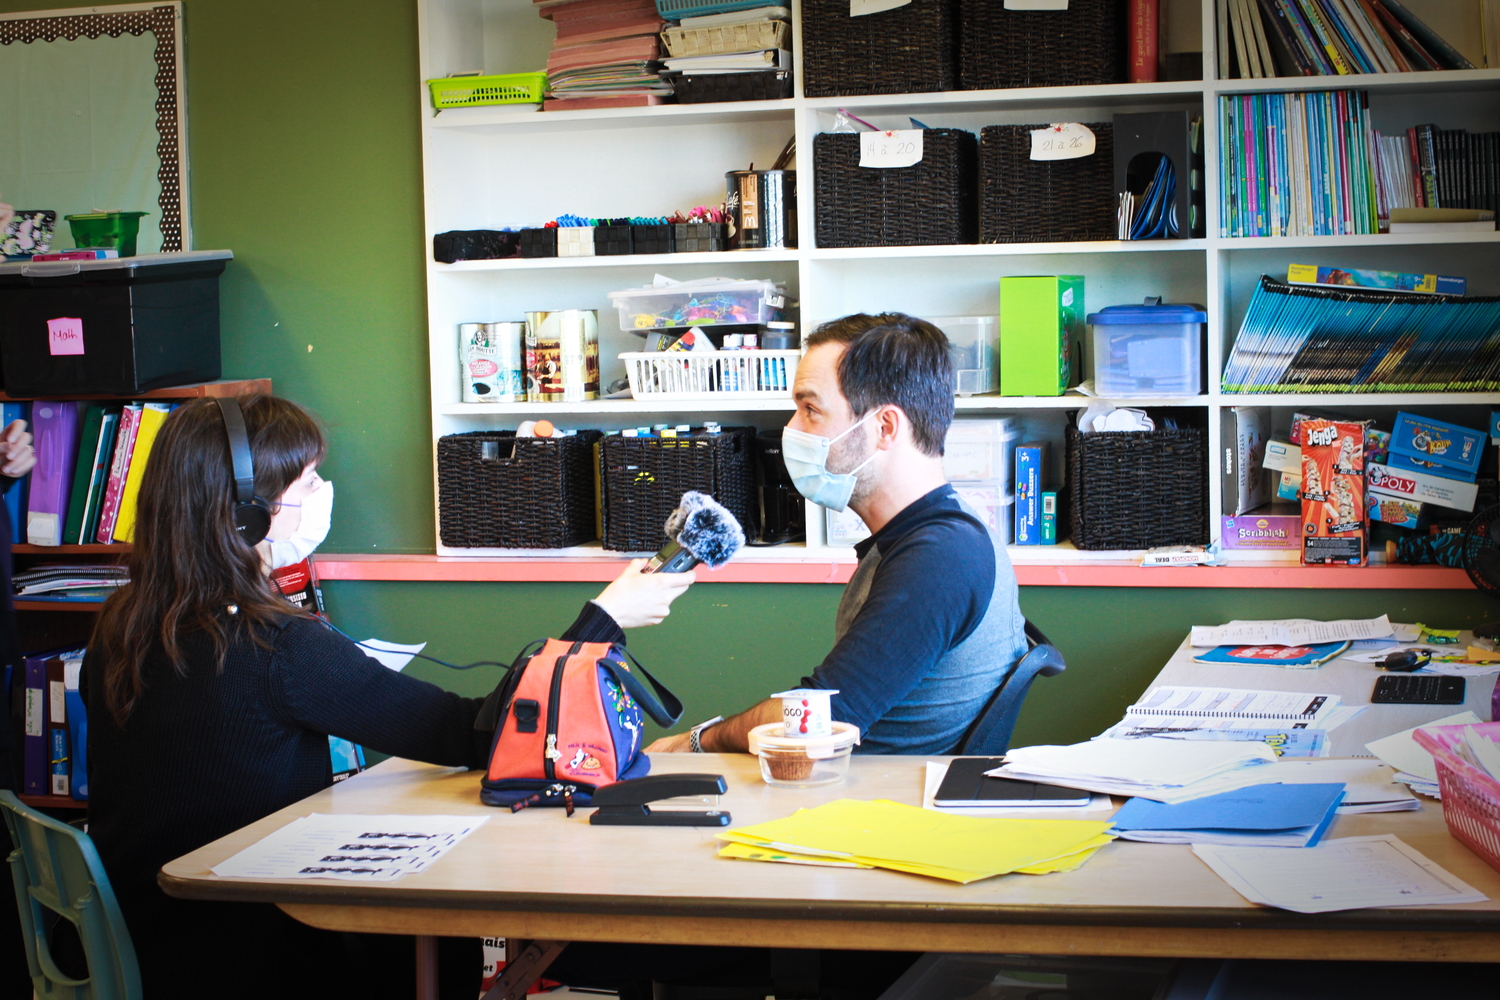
[(55, 426)]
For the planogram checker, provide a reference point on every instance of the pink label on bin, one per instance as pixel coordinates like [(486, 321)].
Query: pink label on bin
[(65, 335)]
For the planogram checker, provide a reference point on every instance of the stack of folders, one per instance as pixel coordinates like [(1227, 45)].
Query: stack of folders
[(604, 55), (849, 833), (1152, 767), (729, 42), (1260, 815), (1303, 338), (70, 582)]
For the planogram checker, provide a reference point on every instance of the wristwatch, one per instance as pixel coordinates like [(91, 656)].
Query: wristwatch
[(696, 732)]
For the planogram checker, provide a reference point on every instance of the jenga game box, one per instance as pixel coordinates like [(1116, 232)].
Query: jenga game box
[(1333, 492)]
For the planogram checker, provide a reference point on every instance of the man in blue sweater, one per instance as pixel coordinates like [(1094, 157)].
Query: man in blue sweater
[(929, 623)]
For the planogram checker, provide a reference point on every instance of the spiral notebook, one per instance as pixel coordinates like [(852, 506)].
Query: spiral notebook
[(1236, 707)]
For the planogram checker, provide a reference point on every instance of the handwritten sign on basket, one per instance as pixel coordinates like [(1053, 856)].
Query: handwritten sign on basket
[(901, 148), (1062, 141)]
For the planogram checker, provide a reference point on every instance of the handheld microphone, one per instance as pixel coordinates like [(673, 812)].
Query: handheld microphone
[(700, 530)]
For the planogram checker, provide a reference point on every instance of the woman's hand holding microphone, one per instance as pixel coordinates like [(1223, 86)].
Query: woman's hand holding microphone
[(635, 598)]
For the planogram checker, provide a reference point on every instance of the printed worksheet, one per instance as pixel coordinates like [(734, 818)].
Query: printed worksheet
[(353, 848), (1290, 632), (1350, 873)]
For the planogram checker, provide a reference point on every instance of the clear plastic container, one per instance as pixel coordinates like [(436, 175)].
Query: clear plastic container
[(803, 763), (706, 302), (981, 450), (1148, 350), (972, 343), (993, 503)]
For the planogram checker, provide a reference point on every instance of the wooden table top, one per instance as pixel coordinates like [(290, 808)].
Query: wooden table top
[(539, 861)]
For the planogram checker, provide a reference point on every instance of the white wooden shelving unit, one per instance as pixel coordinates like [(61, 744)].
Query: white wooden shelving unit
[(491, 167)]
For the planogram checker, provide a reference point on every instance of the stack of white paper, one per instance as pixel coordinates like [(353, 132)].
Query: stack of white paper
[(1346, 874), (1369, 785), (1152, 767), (1413, 764), (353, 848)]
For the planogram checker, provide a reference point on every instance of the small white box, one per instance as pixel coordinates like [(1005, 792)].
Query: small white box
[(1423, 488), (981, 451), (972, 344), (1283, 457), (844, 527), (575, 241)]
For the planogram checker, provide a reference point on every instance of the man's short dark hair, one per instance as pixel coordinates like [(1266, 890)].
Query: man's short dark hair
[(895, 360)]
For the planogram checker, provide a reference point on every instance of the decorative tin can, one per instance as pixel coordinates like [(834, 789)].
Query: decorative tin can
[(562, 356), (490, 355), (762, 208)]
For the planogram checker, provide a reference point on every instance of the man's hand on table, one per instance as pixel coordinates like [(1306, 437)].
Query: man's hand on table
[(671, 744)]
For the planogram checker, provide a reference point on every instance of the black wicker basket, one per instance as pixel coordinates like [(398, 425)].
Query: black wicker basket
[(498, 491), (930, 203), (909, 50), (1081, 46), (643, 479), (1022, 200), (539, 242), (1138, 489), (700, 237), (613, 241), (755, 85)]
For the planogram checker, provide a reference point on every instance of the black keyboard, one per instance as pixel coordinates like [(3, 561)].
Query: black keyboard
[(1410, 689)]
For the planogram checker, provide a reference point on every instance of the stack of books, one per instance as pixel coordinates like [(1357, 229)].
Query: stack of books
[(1434, 176), (605, 54), (1328, 37), (748, 45), (1313, 338)]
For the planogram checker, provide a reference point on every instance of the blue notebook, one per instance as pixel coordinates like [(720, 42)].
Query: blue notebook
[(1260, 815), (1311, 655)]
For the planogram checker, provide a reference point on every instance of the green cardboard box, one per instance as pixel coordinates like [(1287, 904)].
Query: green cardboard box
[(1041, 327)]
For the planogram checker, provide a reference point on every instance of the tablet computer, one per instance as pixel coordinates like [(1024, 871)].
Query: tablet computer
[(966, 784)]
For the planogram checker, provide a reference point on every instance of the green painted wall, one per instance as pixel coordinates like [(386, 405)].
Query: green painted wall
[(305, 160)]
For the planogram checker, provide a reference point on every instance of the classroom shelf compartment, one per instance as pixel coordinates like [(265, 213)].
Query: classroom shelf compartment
[(494, 121), (52, 802), (1426, 82), (224, 387)]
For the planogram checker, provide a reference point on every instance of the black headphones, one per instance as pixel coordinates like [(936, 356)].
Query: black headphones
[(252, 515)]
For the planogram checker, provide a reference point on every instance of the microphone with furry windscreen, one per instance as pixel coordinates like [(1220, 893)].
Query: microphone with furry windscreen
[(700, 530)]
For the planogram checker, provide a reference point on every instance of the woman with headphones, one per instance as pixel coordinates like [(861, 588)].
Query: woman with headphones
[(211, 699)]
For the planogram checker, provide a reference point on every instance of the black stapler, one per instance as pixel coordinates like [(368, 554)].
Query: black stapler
[(624, 802)]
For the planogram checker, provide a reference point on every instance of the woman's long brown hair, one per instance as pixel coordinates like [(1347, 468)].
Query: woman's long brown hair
[(188, 564)]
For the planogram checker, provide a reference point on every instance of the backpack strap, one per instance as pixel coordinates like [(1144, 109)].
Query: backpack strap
[(489, 713), (665, 712)]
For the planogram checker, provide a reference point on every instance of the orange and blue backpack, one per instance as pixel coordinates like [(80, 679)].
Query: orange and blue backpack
[(568, 718)]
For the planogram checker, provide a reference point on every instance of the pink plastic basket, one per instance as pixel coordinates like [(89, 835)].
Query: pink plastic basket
[(1471, 798)]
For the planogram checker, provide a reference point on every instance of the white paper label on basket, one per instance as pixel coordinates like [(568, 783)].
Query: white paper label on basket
[(1036, 4), (859, 8), (902, 148), (1062, 141)]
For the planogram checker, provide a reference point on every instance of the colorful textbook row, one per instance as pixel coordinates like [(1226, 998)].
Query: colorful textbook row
[(90, 460)]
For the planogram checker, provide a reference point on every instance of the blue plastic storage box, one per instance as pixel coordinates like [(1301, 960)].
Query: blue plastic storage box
[(1148, 350)]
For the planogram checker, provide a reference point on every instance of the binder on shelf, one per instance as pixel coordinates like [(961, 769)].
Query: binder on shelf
[(59, 746), (152, 416), (98, 475), (83, 467), (35, 747), (130, 418), (78, 727), (55, 434)]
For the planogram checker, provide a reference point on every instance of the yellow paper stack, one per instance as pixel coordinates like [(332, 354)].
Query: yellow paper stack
[(850, 833)]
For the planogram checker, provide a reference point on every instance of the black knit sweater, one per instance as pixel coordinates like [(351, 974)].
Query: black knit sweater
[(204, 754)]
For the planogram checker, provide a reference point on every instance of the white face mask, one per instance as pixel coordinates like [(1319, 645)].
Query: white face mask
[(806, 458), (317, 515)]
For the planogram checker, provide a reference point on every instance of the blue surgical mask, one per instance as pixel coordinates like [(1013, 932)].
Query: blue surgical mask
[(806, 458)]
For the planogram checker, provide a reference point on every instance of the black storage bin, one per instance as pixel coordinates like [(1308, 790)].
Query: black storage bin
[(930, 203), (909, 50), (613, 241), (539, 242), (700, 237), (755, 85), (654, 239), (499, 491), (110, 327), (1137, 489), (1022, 200), (1081, 46), (475, 244), (642, 480)]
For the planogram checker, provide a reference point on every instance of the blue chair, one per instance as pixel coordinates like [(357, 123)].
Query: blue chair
[(57, 873), (989, 734)]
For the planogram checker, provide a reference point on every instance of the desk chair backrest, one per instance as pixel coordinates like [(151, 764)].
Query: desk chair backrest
[(989, 734), (57, 873)]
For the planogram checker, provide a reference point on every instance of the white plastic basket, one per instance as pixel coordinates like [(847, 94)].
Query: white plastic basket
[(716, 375)]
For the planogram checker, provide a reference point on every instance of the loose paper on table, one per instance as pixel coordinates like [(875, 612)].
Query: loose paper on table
[(351, 848), (1346, 874), (1290, 632), (1402, 752), (391, 654)]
